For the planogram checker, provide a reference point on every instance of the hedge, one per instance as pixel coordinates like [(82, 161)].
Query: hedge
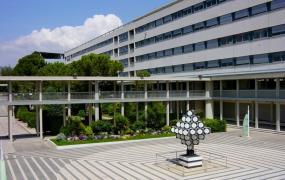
[(216, 125), (26, 116)]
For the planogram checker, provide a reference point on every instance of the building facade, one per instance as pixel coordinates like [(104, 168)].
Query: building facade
[(238, 44)]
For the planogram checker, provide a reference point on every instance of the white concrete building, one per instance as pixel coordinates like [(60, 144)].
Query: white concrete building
[(238, 44)]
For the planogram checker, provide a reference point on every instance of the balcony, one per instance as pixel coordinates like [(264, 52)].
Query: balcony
[(260, 94)]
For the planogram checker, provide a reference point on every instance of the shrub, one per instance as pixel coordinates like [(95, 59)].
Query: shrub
[(122, 123), (216, 125), (60, 137), (173, 122), (166, 128), (155, 115), (138, 126), (88, 131), (101, 126), (74, 126), (129, 131), (26, 116), (81, 113)]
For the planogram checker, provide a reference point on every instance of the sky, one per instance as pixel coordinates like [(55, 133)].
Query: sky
[(59, 25)]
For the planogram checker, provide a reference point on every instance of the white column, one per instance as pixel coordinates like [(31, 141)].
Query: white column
[(255, 87), (221, 88), (209, 104), (271, 113), (10, 123), (37, 121), (69, 98), (237, 113), (256, 114), (277, 88), (96, 99), (188, 96), (221, 110), (122, 97), (90, 109), (64, 115), (41, 121), (277, 116), (237, 88), (167, 103), (145, 97)]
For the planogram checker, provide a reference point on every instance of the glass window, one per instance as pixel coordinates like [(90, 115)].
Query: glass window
[(167, 19), (226, 19), (188, 48), (212, 43), (187, 11), (123, 37), (160, 70), (210, 3), (242, 60), (187, 29), (276, 4), (212, 22), (150, 40), (227, 62), (200, 46), (178, 68), (123, 50), (151, 56), (159, 38), (176, 33), (259, 9), (199, 26), (168, 69), (242, 37), (200, 65), (124, 62), (188, 67), (279, 56), (241, 14), (159, 22), (177, 15), (178, 50), (277, 30), (159, 54), (168, 52), (260, 34), (151, 25), (213, 64), (167, 35), (261, 58), (226, 41), (198, 7)]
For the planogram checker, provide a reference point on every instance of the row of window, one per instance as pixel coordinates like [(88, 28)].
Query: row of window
[(252, 11), (245, 60), (214, 43), (124, 62), (123, 37), (179, 14), (124, 50)]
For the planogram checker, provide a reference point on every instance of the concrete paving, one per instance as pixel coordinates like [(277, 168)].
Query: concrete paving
[(262, 156)]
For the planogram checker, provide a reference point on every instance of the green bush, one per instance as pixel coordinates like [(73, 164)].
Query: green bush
[(101, 126), (26, 116), (138, 126), (155, 115), (74, 126), (20, 111), (166, 128), (122, 123), (88, 131), (81, 113), (216, 125)]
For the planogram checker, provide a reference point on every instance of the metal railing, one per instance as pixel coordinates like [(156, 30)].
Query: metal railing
[(197, 93), (110, 94), (25, 96), (156, 94), (54, 95), (246, 93), (178, 93), (266, 94), (134, 94)]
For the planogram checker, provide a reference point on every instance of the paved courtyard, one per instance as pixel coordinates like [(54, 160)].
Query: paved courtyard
[(260, 157)]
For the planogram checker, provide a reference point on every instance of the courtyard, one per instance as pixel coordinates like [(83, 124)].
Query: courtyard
[(262, 156)]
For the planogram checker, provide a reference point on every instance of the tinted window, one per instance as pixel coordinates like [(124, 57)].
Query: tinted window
[(210, 3), (199, 26), (241, 14), (168, 69), (188, 67), (167, 36), (151, 56), (187, 29), (277, 30), (212, 22), (226, 41), (168, 52), (187, 11), (200, 65), (177, 15), (242, 37), (200, 46), (177, 50), (227, 62), (213, 64), (167, 19), (188, 48), (259, 9), (226, 19), (178, 68), (212, 43), (198, 7), (159, 54), (158, 22), (176, 33), (242, 60), (278, 56), (276, 4), (159, 38), (262, 58), (260, 34)]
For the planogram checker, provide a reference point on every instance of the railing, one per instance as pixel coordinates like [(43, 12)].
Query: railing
[(282, 94), (25, 96), (134, 94), (110, 95), (266, 94), (197, 93), (54, 96), (82, 95), (156, 94), (178, 94), (246, 93), (229, 93), (216, 93)]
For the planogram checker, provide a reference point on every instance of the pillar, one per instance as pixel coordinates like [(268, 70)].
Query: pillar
[(277, 116), (37, 121), (10, 123), (64, 115), (145, 97), (237, 113), (96, 99), (90, 109), (188, 96), (167, 103), (41, 121), (221, 110), (209, 104), (256, 114), (237, 88), (122, 97), (69, 98), (255, 88)]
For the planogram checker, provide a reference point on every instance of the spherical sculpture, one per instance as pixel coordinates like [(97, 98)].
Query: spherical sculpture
[(190, 130)]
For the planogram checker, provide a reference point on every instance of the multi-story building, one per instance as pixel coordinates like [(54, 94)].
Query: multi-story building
[(239, 44)]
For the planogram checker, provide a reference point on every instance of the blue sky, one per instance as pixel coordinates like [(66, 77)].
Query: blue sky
[(19, 18)]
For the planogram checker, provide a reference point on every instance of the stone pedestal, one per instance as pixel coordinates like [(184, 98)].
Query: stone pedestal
[(190, 161)]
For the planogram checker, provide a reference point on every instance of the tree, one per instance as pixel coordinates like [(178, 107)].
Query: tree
[(122, 123), (54, 69), (156, 115), (6, 71), (29, 65), (143, 73)]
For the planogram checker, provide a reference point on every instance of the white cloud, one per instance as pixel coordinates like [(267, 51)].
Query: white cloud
[(59, 39)]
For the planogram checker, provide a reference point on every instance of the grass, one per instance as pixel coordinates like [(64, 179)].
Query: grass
[(90, 141)]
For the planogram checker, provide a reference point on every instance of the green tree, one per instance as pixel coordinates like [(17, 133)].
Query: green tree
[(29, 65), (122, 123), (6, 71), (54, 69), (156, 115), (143, 73)]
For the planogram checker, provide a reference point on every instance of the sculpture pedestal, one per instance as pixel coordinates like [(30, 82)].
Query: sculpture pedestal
[(190, 160)]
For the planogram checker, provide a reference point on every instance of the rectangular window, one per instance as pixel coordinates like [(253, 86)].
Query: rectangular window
[(262, 8), (226, 19), (279, 56), (210, 3), (159, 54), (213, 64), (227, 62), (151, 25), (199, 26), (123, 50), (176, 33), (151, 56), (198, 7), (178, 68), (168, 52), (242, 37), (241, 14), (167, 19), (277, 30), (276, 4), (212, 43), (168, 69), (261, 58), (160, 70), (123, 37), (167, 35), (159, 38), (124, 62), (188, 67), (158, 22), (226, 41), (178, 50), (187, 29), (200, 65), (259, 34), (242, 60), (212, 22), (177, 15), (200, 46), (188, 48), (187, 11)]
